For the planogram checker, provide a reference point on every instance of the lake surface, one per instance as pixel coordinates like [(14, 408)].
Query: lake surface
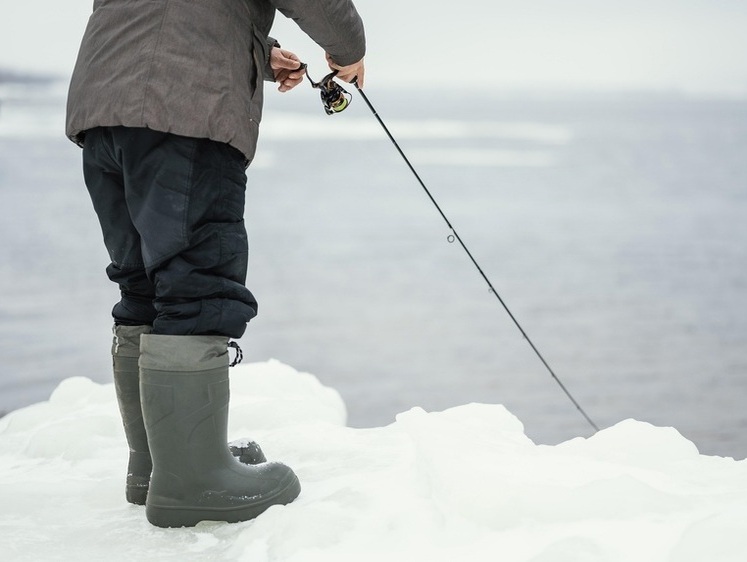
[(613, 226)]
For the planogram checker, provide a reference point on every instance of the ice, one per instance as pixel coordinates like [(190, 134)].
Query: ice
[(483, 157), (290, 125), (461, 484)]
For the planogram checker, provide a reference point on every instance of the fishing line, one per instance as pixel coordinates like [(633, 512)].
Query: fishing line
[(335, 99)]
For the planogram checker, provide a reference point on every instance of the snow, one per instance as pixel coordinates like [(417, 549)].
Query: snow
[(461, 484)]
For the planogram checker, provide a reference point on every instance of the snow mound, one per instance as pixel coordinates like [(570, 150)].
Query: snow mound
[(465, 483)]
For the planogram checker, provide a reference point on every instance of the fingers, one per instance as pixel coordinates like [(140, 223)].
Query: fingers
[(349, 73), (281, 59), (287, 69), (289, 81), (357, 75)]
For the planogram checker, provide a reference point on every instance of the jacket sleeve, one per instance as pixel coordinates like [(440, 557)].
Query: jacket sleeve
[(268, 73), (333, 24)]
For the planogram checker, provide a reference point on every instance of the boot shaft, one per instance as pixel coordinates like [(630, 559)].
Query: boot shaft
[(126, 340), (185, 393), (125, 355)]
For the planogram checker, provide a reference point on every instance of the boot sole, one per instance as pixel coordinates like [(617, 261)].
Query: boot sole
[(189, 516)]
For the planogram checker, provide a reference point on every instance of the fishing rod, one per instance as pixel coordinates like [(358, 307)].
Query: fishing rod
[(336, 99)]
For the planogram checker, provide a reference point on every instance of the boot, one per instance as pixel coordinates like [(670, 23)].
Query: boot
[(184, 392), (125, 355)]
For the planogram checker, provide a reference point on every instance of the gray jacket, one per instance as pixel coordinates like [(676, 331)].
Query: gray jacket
[(193, 67)]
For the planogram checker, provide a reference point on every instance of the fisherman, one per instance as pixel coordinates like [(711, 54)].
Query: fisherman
[(166, 101)]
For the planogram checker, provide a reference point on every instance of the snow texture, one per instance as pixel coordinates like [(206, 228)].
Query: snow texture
[(462, 484)]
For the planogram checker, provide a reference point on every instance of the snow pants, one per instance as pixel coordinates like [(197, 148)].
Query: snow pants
[(171, 211)]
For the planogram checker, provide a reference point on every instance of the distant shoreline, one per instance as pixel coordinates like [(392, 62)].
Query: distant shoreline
[(15, 77)]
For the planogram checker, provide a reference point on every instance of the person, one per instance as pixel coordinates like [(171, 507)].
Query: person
[(166, 101)]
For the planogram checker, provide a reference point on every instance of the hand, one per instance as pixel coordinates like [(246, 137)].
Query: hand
[(355, 71), (285, 67)]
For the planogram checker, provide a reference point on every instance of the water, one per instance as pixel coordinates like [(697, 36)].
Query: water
[(613, 226)]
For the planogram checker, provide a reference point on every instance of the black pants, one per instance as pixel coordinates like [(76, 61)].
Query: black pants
[(171, 211)]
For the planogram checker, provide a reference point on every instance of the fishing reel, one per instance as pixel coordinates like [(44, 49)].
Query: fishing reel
[(335, 98)]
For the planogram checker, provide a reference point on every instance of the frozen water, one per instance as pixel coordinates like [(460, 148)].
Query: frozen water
[(613, 226), (461, 484)]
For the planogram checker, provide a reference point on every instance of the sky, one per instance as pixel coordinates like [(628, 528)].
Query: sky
[(690, 45)]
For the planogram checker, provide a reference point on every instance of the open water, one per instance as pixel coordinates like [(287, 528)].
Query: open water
[(613, 226)]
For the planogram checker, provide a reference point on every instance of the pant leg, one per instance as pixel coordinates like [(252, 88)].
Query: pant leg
[(185, 197), (105, 182)]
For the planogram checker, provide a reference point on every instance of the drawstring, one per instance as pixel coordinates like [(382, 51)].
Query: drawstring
[(239, 354)]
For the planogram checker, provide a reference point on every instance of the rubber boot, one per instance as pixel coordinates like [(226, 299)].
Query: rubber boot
[(184, 392), (125, 356)]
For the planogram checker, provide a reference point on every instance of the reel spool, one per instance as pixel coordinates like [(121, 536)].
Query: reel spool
[(335, 98)]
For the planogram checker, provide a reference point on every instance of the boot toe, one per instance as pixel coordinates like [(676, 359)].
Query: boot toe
[(272, 484)]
